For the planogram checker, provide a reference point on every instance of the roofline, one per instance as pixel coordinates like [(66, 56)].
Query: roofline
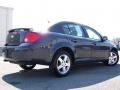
[(68, 22)]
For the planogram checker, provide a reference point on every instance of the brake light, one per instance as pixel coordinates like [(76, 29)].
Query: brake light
[(31, 37)]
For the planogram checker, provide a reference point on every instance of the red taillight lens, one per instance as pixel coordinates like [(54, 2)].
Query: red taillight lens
[(31, 37)]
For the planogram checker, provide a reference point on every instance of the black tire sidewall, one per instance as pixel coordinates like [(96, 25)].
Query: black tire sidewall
[(24, 66)]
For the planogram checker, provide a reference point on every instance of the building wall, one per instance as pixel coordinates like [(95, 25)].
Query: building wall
[(5, 23)]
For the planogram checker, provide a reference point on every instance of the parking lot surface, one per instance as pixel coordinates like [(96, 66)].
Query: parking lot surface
[(95, 76)]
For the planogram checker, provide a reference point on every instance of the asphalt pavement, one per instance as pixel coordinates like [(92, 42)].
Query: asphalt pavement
[(95, 76)]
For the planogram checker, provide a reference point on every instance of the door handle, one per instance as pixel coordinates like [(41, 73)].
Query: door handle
[(94, 43), (74, 40)]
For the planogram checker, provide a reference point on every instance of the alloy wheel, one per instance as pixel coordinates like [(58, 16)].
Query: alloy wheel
[(112, 58), (63, 64)]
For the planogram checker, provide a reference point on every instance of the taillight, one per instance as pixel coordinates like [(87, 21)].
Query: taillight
[(31, 37)]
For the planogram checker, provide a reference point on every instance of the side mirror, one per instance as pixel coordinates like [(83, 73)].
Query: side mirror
[(105, 38)]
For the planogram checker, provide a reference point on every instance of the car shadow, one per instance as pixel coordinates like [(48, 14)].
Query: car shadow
[(81, 76)]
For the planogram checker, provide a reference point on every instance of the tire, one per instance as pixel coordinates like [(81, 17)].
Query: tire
[(61, 64), (113, 59), (27, 67)]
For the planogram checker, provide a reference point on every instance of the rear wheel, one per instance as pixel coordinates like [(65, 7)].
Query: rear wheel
[(62, 63), (113, 59), (27, 67)]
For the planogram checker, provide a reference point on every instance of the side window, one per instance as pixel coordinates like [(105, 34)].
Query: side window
[(92, 34), (66, 29), (79, 31), (72, 29)]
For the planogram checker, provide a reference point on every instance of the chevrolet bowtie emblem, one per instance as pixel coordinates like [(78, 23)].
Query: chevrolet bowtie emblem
[(12, 36)]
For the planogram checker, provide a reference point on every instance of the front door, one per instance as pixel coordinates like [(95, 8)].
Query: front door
[(99, 49)]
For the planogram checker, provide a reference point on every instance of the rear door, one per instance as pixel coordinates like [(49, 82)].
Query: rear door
[(77, 36), (100, 50)]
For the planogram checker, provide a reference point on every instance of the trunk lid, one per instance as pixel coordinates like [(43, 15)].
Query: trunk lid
[(16, 36)]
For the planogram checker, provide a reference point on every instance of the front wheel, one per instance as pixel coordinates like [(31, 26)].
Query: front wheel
[(27, 67), (62, 63), (113, 59)]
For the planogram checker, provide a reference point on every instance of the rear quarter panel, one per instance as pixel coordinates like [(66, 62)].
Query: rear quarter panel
[(49, 43)]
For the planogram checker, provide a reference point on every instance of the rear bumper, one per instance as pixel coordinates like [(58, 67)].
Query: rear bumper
[(22, 55), (17, 55)]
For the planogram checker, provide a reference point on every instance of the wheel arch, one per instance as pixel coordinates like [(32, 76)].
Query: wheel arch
[(67, 49), (114, 49)]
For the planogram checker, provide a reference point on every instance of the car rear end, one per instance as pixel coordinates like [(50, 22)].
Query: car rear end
[(19, 45)]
